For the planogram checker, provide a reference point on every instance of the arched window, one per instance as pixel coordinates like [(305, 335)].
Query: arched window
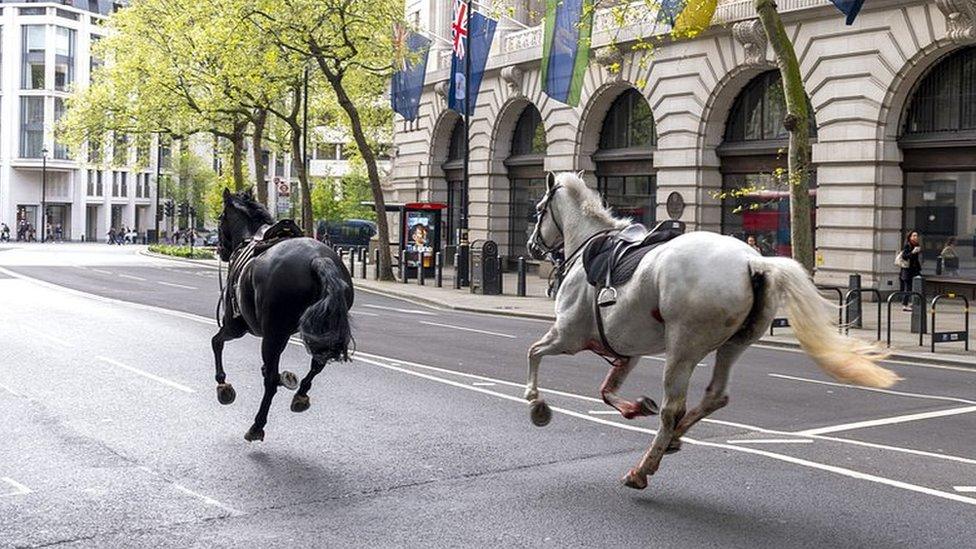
[(454, 173), (525, 173), (755, 195), (624, 160), (938, 143)]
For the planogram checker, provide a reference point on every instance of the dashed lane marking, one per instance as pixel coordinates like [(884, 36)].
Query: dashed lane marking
[(147, 375), (483, 384), (874, 389), (130, 277), (104, 272), (965, 489), (206, 499), (19, 489), (363, 313), (887, 421), (771, 441), (173, 285), (465, 329), (410, 311), (603, 412)]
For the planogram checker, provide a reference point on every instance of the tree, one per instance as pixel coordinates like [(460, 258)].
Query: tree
[(335, 199), (349, 43)]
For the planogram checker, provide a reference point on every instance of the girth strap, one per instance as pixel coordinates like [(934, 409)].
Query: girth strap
[(598, 312)]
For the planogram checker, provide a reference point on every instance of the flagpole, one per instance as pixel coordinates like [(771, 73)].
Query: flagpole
[(463, 273)]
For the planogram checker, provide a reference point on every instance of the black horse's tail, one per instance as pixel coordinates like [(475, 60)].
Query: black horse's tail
[(325, 325)]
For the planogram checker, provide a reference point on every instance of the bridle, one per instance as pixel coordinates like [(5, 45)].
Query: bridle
[(541, 216)]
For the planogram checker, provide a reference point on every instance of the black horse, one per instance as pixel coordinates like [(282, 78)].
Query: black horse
[(295, 285)]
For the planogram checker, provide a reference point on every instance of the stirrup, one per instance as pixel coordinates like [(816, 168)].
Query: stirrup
[(607, 297)]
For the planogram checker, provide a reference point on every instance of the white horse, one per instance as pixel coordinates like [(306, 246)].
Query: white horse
[(698, 293)]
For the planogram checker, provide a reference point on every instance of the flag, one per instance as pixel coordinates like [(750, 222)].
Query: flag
[(850, 8), (566, 48), (475, 42), (411, 69), (687, 17)]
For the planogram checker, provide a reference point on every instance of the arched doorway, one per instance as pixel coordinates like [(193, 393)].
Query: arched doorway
[(938, 142), (453, 168), (526, 177), (755, 191), (624, 158)]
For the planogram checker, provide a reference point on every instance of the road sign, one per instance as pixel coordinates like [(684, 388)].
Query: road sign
[(283, 187)]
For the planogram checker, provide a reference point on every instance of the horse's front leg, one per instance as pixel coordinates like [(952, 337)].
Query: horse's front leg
[(539, 411), (232, 329), (300, 402), (271, 348), (643, 406)]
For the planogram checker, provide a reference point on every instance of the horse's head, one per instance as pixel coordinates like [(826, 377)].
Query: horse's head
[(547, 236), (241, 218)]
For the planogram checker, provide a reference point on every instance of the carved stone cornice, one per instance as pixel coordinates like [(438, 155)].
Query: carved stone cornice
[(512, 75), (960, 19), (441, 89), (752, 36)]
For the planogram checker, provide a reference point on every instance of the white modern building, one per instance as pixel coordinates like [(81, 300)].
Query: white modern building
[(46, 52), (894, 146)]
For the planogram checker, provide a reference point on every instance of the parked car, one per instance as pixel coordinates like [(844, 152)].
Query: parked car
[(210, 239), (351, 232)]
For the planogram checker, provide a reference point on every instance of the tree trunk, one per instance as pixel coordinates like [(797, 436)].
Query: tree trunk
[(257, 143), (237, 154), (797, 122), (356, 124), (298, 162)]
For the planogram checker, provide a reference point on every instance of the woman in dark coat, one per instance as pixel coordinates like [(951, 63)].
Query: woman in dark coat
[(912, 253)]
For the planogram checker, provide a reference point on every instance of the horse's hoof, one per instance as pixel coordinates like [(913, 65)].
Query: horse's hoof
[(288, 380), (673, 447), (635, 480), (647, 406), (531, 395), (225, 393), (299, 403), (540, 413), (253, 434)]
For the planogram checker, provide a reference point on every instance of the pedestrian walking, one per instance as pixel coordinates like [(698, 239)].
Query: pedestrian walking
[(111, 235), (751, 241), (950, 259), (909, 261), (4, 233)]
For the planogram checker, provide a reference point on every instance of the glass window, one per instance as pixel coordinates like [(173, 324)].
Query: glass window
[(758, 112), (455, 193), (942, 206), (32, 11), (758, 204), (632, 196), (67, 14), (115, 184), (945, 100), (98, 183), (91, 182), (32, 77), (526, 193), (279, 165), (64, 61), (530, 134), (60, 149), (455, 150), (31, 127), (629, 123), (124, 183), (95, 144), (120, 149), (94, 61)]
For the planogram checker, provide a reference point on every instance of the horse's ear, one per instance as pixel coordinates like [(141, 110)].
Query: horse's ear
[(550, 181), (580, 174), (249, 192), (227, 194)]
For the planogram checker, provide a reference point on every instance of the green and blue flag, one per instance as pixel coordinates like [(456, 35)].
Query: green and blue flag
[(566, 49)]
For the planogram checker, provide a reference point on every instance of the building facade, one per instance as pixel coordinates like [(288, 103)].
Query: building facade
[(894, 140), (46, 52)]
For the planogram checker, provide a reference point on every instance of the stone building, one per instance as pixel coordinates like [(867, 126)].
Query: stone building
[(894, 146)]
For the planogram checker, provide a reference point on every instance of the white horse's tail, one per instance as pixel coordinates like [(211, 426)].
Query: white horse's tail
[(845, 358)]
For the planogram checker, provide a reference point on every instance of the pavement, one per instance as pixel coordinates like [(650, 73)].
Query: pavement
[(114, 436)]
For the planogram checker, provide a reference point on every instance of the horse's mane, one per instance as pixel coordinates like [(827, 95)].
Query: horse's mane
[(254, 210), (590, 202)]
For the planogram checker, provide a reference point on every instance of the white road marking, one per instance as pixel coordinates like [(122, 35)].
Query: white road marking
[(663, 359), (966, 489), (603, 412), (411, 311), (147, 375), (737, 448), (207, 500), (771, 441), (12, 391), (887, 421), (172, 285), (19, 489), (462, 328), (874, 389), (363, 313), (102, 271), (132, 277), (483, 384)]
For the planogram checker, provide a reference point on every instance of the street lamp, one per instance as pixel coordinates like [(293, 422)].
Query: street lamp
[(159, 163), (44, 195)]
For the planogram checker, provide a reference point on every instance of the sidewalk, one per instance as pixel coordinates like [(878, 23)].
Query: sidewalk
[(904, 344)]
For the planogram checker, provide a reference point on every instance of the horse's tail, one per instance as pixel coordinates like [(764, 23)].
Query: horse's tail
[(845, 358), (325, 324)]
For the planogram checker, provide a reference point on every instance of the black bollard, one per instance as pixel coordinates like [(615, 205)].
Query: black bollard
[(918, 307), (421, 272), (363, 256), (457, 275), (352, 262), (376, 264), (854, 307), (439, 269), (520, 270), (403, 266)]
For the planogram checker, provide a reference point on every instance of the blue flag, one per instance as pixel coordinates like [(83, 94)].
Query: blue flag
[(478, 46), (850, 8), (408, 80)]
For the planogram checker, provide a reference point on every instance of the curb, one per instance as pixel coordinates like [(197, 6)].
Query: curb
[(197, 262)]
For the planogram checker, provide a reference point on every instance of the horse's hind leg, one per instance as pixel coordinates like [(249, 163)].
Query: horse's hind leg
[(643, 406), (271, 348), (300, 402), (539, 412), (230, 330), (715, 397), (677, 373)]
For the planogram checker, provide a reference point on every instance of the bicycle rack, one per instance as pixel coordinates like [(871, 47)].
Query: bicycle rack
[(847, 302), (952, 336), (891, 299)]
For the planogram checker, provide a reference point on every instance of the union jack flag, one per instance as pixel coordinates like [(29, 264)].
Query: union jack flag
[(459, 28)]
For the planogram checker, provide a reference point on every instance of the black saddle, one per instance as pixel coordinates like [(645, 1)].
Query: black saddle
[(282, 230), (611, 260)]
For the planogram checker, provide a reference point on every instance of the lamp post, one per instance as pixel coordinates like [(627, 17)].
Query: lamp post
[(159, 163), (44, 195)]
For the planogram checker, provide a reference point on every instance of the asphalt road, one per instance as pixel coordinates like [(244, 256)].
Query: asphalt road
[(114, 436)]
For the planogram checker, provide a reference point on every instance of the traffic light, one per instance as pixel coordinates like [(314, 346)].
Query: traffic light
[(169, 208), (183, 209)]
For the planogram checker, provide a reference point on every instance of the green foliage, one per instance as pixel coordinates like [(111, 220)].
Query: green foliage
[(182, 251), (192, 180), (340, 199)]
